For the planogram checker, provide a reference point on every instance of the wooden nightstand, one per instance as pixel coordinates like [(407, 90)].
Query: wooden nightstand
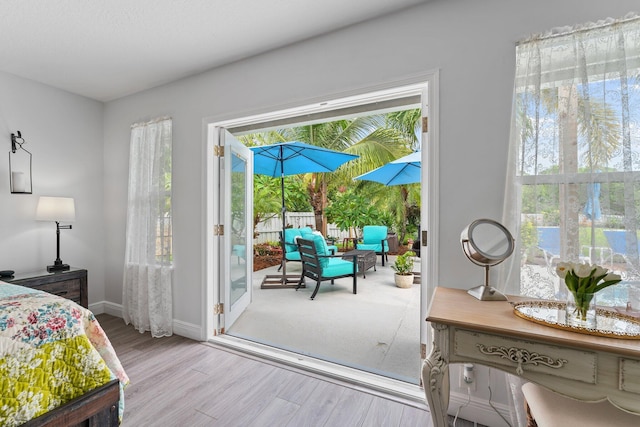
[(71, 284)]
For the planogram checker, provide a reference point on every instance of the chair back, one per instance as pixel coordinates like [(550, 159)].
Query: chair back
[(374, 234), (549, 239), (290, 235), (311, 266), (617, 240)]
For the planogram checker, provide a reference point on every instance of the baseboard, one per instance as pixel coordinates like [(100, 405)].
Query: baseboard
[(187, 330), (184, 329), (478, 410), (97, 307), (106, 307), (112, 309)]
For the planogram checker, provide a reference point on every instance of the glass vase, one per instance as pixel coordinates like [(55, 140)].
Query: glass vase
[(581, 310)]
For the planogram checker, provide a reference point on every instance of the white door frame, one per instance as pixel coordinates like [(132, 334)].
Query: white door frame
[(428, 84)]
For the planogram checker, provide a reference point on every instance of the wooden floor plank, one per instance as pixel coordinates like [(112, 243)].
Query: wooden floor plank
[(383, 412), (178, 382), (317, 409), (351, 409), (414, 417), (277, 413)]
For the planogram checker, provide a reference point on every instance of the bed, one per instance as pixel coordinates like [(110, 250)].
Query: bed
[(57, 366)]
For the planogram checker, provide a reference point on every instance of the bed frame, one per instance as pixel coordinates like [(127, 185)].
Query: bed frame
[(96, 408)]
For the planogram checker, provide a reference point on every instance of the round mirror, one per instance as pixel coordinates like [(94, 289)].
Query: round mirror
[(486, 243)]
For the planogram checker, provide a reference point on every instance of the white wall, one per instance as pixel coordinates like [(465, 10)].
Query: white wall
[(64, 134)]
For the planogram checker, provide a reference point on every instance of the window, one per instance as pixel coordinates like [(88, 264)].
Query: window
[(573, 189)]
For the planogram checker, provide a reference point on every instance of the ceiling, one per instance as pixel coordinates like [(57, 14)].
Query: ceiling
[(106, 49)]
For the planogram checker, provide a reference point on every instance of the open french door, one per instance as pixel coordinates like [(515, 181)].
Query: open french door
[(236, 229)]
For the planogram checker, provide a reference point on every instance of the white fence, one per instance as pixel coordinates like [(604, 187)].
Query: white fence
[(268, 230)]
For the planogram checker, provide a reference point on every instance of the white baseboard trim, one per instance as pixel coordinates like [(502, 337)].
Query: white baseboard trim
[(106, 307), (97, 307), (112, 309), (478, 410), (184, 329), (187, 330)]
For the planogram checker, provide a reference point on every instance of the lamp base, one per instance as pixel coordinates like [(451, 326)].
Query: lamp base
[(57, 267), (486, 293)]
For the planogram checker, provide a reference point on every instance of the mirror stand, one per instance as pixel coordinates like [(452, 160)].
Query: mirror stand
[(486, 292)]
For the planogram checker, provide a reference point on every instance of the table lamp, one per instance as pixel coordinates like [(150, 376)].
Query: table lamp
[(56, 209)]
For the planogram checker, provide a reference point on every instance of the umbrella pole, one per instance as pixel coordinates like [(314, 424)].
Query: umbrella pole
[(284, 226), (273, 281)]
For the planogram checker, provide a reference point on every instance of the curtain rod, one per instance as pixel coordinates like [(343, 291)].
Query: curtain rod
[(152, 121), (579, 28)]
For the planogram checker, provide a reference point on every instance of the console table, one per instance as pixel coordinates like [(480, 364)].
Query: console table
[(585, 367), (70, 284)]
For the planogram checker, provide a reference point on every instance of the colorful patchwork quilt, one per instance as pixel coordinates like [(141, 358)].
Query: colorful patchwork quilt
[(51, 351)]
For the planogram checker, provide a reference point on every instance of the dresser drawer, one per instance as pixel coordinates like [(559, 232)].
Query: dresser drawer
[(69, 289), (526, 355), (70, 284), (629, 374)]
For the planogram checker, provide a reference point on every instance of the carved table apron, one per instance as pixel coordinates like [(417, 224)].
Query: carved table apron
[(585, 367)]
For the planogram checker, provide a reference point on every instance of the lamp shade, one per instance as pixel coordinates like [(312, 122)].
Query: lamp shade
[(56, 209)]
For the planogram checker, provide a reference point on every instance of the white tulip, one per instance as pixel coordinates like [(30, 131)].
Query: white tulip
[(563, 268), (612, 276), (582, 270), (600, 271)]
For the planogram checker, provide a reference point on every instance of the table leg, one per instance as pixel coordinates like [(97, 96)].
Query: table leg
[(435, 379)]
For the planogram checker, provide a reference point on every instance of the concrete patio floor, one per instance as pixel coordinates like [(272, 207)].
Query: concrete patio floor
[(377, 330)]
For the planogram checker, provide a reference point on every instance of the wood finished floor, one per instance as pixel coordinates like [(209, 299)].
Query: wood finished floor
[(179, 382)]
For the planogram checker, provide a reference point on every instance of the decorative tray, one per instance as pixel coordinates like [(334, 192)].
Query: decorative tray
[(610, 323)]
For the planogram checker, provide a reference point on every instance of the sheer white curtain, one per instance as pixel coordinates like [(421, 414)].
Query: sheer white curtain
[(574, 163), (148, 271), (573, 184)]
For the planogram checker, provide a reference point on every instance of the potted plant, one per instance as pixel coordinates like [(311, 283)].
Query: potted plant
[(404, 269)]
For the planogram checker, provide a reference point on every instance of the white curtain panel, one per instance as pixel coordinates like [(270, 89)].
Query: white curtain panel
[(573, 183), (148, 272)]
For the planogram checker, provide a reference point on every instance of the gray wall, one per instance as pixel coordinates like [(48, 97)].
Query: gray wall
[(64, 134), (80, 146), (470, 42)]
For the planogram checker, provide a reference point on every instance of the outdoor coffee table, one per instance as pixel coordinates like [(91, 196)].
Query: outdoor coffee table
[(366, 259)]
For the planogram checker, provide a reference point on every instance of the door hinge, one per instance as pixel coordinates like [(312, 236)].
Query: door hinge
[(218, 150), (218, 309), (218, 230), (423, 351), (423, 238), (425, 124)]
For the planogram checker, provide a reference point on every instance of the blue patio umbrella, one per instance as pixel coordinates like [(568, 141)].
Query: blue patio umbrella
[(293, 158), (592, 207), (405, 170)]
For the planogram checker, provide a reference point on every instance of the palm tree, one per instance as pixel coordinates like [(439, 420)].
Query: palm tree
[(600, 132), (364, 136), (408, 122)]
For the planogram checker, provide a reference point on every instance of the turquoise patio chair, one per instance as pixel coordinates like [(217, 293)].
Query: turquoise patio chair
[(617, 240), (374, 238), (291, 247), (549, 243), (319, 265)]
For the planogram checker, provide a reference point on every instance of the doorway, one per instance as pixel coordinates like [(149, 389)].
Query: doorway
[(349, 323)]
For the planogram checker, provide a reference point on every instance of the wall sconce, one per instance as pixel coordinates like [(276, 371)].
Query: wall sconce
[(19, 166), (56, 209)]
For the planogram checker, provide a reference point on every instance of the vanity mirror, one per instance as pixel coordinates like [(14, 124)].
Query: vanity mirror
[(486, 243)]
